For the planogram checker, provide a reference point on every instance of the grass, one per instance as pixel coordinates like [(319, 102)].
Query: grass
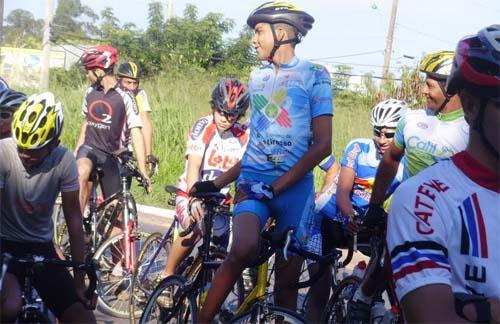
[(176, 104)]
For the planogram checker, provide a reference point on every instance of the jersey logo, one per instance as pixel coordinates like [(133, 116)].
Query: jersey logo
[(198, 128), (101, 111), (473, 238), (271, 111)]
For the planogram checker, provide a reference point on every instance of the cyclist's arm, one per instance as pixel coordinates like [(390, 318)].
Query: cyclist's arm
[(147, 131), (81, 137), (140, 153), (228, 176), (73, 217), (320, 148), (330, 176), (193, 169), (386, 172), (420, 306), (344, 188)]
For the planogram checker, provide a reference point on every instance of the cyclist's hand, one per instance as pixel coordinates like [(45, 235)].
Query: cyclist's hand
[(80, 292), (196, 209), (147, 184), (374, 215), (204, 186), (352, 227), (256, 190), (152, 162)]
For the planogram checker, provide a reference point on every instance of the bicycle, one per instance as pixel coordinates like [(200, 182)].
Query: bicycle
[(337, 308), (190, 289), (33, 310)]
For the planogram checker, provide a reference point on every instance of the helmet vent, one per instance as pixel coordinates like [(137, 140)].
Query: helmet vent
[(24, 137), (34, 139), (32, 117), (43, 122)]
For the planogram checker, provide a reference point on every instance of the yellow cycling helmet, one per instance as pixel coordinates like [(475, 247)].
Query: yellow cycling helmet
[(437, 65), (130, 70), (37, 122)]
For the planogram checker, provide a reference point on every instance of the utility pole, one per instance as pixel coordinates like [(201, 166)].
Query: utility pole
[(170, 9), (44, 73), (388, 44), (1, 21)]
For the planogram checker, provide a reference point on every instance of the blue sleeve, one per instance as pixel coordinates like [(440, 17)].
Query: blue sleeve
[(399, 138), (321, 92), (350, 158), (327, 162)]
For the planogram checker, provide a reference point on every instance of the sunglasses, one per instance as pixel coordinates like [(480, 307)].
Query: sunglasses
[(5, 114), (228, 116), (379, 133)]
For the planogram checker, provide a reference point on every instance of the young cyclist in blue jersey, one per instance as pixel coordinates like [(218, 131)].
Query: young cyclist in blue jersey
[(359, 165), (443, 223), (290, 133)]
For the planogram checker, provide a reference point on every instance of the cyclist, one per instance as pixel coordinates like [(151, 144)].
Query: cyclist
[(129, 75), (443, 224), (34, 169), (423, 136), (290, 133), (10, 100), (358, 168), (3, 84), (215, 144), (110, 113)]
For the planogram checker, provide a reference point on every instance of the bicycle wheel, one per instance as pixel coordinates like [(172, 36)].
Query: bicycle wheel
[(183, 308), (113, 285), (269, 314), (336, 310), (143, 284)]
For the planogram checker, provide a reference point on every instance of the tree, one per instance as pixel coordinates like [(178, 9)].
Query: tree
[(110, 25), (74, 20), (341, 76), (22, 29)]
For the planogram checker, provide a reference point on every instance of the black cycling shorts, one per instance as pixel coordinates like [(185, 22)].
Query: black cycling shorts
[(109, 180), (54, 284)]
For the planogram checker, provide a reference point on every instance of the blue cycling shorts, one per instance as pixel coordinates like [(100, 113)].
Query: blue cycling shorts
[(294, 207)]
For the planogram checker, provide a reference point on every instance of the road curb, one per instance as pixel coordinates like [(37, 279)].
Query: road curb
[(156, 211)]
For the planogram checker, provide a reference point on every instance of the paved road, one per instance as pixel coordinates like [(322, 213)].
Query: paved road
[(150, 224)]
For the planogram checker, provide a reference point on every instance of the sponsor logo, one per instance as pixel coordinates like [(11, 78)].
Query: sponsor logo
[(422, 125), (272, 141), (100, 111), (198, 128)]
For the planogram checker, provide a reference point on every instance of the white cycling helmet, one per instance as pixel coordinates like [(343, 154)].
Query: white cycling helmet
[(387, 113)]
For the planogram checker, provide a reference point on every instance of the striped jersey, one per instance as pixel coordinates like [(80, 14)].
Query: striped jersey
[(443, 229)]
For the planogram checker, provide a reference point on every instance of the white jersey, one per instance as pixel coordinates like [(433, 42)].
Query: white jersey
[(443, 228), (219, 151), (428, 138)]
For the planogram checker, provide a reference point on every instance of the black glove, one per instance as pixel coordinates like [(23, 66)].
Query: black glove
[(204, 186), (374, 215)]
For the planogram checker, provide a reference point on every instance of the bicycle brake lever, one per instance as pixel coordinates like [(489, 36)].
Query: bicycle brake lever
[(287, 244)]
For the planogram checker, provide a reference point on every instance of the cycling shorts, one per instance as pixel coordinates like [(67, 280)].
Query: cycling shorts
[(109, 180), (54, 284), (294, 207)]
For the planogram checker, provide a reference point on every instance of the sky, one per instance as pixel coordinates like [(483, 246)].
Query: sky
[(345, 31)]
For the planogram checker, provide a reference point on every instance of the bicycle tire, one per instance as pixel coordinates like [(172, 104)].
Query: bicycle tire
[(113, 291), (184, 307), (270, 314), (140, 291), (336, 309)]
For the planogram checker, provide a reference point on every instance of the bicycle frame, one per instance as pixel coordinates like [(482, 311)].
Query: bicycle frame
[(258, 292)]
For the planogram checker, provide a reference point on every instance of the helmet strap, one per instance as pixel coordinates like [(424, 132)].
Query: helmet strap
[(98, 82), (447, 97), (478, 126), (278, 43)]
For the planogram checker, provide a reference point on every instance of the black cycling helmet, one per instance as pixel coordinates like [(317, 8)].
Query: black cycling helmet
[(231, 97), (130, 70), (282, 12), (11, 99), (476, 67)]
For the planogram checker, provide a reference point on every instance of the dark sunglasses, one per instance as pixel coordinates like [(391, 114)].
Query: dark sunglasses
[(379, 133), (6, 114), (228, 116)]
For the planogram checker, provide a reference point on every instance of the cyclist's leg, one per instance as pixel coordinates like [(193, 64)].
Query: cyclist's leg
[(294, 207), (10, 294), (250, 218), (85, 160)]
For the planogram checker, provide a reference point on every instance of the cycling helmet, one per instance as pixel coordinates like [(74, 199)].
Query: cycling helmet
[(477, 64), (437, 65), (3, 84), (387, 113), (285, 13), (102, 57), (231, 97), (130, 70), (11, 99), (37, 122)]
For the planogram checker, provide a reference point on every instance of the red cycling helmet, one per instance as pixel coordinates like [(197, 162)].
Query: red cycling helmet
[(231, 97), (477, 64), (102, 57)]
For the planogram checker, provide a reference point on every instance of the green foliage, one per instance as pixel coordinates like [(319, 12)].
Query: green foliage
[(22, 30), (73, 20), (341, 75)]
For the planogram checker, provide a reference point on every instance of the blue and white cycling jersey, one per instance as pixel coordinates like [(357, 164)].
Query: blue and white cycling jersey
[(361, 155), (284, 102)]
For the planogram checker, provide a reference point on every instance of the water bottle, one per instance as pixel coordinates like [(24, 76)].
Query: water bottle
[(377, 312), (359, 269)]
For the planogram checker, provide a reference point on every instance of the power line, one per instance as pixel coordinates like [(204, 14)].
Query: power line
[(347, 55), (423, 34)]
